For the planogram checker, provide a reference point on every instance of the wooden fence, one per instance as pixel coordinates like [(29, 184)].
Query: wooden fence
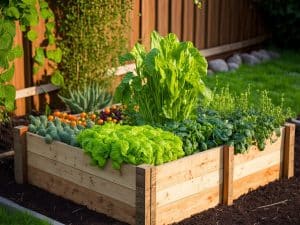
[(220, 26), (219, 22)]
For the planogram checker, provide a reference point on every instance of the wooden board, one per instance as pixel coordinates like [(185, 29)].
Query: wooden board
[(188, 168), (257, 168), (176, 17), (163, 17), (81, 195), (188, 21), (75, 157), (86, 180), (184, 208), (255, 180), (188, 188), (148, 21), (135, 23)]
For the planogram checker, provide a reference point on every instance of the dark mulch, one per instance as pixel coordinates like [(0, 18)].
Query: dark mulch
[(253, 208)]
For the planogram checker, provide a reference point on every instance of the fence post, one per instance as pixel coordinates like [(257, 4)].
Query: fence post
[(289, 151), (228, 157), (20, 158)]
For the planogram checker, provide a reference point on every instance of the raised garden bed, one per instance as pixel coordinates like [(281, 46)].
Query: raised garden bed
[(151, 195)]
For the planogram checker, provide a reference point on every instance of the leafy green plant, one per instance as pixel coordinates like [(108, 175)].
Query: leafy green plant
[(90, 98), (93, 34), (130, 144), (168, 81), (27, 14), (253, 123)]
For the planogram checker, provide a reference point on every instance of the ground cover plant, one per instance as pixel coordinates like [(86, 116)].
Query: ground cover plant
[(279, 77), (18, 218)]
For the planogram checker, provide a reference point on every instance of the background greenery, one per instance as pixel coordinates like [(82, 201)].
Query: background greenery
[(280, 77), (92, 34), (283, 17)]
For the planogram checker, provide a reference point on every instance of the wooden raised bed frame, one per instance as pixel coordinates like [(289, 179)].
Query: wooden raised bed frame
[(151, 195)]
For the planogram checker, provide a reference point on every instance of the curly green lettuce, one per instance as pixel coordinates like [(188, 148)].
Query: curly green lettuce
[(130, 145)]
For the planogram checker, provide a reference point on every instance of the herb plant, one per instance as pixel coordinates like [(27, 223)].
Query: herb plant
[(168, 81), (130, 144)]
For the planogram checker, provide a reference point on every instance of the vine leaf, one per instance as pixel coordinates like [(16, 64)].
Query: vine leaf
[(54, 55), (14, 53), (7, 75), (32, 35), (39, 57), (13, 12), (57, 79)]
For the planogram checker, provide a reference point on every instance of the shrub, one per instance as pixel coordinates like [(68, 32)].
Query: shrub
[(284, 20)]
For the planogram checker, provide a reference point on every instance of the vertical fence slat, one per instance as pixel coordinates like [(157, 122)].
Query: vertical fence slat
[(213, 23), (19, 76), (200, 27), (225, 22), (188, 21), (176, 17), (148, 20), (135, 23), (163, 17)]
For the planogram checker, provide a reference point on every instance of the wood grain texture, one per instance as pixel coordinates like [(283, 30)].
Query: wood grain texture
[(176, 17), (20, 157), (189, 168), (289, 151), (188, 21), (213, 21), (148, 20), (135, 23), (19, 76), (191, 187), (143, 195), (200, 28), (163, 17), (184, 208), (255, 180), (76, 193), (228, 168), (86, 180), (257, 164), (74, 157)]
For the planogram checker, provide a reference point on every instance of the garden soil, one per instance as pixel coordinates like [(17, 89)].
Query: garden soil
[(277, 203)]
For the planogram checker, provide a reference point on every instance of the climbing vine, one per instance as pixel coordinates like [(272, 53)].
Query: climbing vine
[(28, 13)]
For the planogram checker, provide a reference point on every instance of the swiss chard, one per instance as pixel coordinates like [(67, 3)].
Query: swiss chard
[(167, 83)]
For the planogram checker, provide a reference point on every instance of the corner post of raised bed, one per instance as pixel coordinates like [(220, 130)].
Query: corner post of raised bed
[(145, 195), (20, 167), (289, 151), (228, 157)]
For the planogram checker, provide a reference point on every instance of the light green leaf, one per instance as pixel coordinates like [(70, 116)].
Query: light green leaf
[(57, 79), (39, 57), (54, 55), (32, 35), (7, 75), (13, 12), (6, 41)]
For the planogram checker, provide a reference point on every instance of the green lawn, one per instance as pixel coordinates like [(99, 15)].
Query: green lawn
[(18, 218), (280, 76)]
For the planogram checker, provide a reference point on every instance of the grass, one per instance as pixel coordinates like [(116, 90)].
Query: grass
[(280, 77), (18, 218)]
